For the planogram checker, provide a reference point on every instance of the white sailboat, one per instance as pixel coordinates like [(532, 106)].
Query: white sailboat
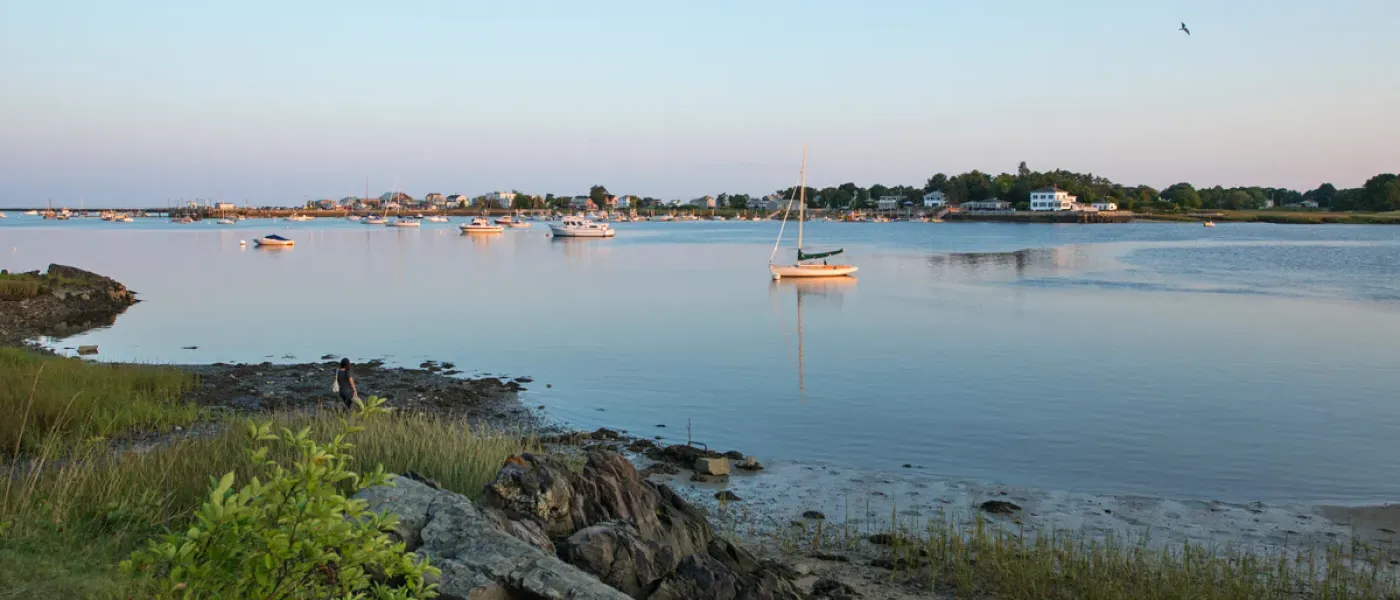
[(801, 269)]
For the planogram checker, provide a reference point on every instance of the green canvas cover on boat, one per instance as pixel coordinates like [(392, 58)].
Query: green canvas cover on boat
[(815, 255)]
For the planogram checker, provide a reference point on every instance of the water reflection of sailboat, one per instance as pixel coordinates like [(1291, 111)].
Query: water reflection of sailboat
[(828, 288)]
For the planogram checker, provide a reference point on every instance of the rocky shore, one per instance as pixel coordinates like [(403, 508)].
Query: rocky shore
[(69, 301), (671, 529)]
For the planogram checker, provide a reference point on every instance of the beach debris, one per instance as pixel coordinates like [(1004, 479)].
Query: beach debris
[(605, 434), (189, 347), (749, 464), (727, 496), (660, 468), (813, 514), (1000, 507), (712, 466), (86, 350), (832, 589)]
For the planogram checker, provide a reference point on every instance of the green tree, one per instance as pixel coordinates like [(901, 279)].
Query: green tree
[(938, 182), (1239, 200), (1325, 195), (1381, 193), (1022, 170), (598, 194), (1183, 195), (739, 201)]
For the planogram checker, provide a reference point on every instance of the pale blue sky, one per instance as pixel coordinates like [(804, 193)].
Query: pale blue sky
[(137, 102)]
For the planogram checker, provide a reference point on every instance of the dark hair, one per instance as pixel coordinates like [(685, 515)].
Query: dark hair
[(345, 364)]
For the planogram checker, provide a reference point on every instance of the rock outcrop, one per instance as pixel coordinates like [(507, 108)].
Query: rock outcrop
[(479, 561), (635, 535), (544, 532), (69, 301)]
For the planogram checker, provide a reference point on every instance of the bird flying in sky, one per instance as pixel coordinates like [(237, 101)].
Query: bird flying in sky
[(1183, 28)]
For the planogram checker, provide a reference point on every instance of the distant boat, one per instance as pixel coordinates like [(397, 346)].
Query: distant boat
[(374, 220), (300, 218), (405, 222), (125, 219), (226, 221), (437, 219), (480, 225), (801, 269), (512, 223), (1209, 223), (31, 213), (273, 240), (352, 218), (573, 226)]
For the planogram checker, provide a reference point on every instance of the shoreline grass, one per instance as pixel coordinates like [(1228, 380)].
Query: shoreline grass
[(980, 558), (44, 396)]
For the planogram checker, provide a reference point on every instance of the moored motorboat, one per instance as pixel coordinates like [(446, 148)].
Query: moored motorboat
[(405, 222), (1209, 223), (373, 220), (480, 225), (353, 218), (273, 240), (226, 221), (437, 219), (31, 213), (572, 226)]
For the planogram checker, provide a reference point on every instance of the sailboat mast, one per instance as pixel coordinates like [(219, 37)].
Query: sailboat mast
[(802, 203)]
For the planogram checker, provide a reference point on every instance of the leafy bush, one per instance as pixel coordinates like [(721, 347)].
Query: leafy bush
[(296, 535)]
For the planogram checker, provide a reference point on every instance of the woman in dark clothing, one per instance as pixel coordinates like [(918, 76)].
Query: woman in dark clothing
[(346, 381)]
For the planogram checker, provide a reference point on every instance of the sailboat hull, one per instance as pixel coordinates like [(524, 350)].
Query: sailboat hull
[(780, 271)]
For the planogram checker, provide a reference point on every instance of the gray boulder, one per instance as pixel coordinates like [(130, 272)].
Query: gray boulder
[(616, 552), (478, 560)]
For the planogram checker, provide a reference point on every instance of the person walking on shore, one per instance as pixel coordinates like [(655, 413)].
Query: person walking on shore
[(345, 384)]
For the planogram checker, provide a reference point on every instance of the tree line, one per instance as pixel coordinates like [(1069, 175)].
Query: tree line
[(1379, 193)]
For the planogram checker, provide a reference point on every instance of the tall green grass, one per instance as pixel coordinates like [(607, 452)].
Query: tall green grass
[(980, 559), (48, 396), (18, 289), (65, 495)]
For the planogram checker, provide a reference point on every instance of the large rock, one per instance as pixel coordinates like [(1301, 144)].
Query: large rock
[(478, 560), (616, 552), (636, 535)]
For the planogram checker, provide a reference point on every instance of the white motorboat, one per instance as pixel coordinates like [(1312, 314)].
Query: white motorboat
[(437, 219), (801, 269), (300, 218), (226, 221), (405, 222), (1209, 223), (373, 220), (31, 213), (125, 219), (581, 227), (273, 240), (480, 225), (353, 218)]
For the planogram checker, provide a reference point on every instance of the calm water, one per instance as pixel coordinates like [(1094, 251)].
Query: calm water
[(1247, 362)]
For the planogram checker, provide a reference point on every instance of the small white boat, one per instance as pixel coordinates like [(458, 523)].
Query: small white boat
[(31, 213), (480, 225), (352, 218), (581, 227), (125, 219), (437, 219), (3, 215), (226, 221), (373, 220), (300, 218), (273, 240), (405, 223), (1209, 223)]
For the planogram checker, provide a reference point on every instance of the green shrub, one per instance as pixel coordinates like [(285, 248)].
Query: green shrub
[(295, 534)]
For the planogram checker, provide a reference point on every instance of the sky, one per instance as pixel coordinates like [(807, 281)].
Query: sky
[(146, 103)]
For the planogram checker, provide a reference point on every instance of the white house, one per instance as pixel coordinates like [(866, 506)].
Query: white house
[(624, 202), (992, 204), (582, 203), (435, 199), (889, 202), (1052, 198), (703, 202), (224, 206), (458, 200), (501, 199), (768, 203), (935, 199), (1105, 206)]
